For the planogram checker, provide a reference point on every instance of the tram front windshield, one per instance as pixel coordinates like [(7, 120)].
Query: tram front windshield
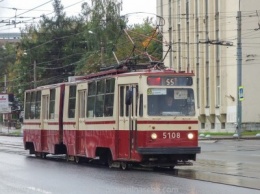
[(170, 102)]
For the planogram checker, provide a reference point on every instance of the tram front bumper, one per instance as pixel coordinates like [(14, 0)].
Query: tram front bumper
[(166, 151)]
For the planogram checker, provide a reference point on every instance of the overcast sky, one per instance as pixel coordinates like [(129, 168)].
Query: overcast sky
[(25, 10)]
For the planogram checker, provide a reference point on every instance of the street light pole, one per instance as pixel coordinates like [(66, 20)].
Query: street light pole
[(239, 74)]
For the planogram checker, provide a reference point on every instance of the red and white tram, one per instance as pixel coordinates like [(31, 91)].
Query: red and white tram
[(118, 116)]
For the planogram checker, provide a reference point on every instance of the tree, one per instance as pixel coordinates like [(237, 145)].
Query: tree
[(141, 42), (108, 37), (103, 26), (53, 46), (63, 46), (7, 61)]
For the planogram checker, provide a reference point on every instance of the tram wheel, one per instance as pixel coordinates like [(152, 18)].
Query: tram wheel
[(109, 161), (43, 155), (37, 154), (124, 165), (77, 159), (67, 158), (171, 167)]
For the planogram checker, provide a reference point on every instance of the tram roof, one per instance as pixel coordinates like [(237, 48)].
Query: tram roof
[(144, 69), (152, 68)]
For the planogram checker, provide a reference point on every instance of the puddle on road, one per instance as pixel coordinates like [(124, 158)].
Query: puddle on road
[(230, 173)]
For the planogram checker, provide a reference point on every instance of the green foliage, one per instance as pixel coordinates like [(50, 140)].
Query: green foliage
[(7, 61), (243, 133), (146, 42), (53, 45), (101, 30), (62, 46)]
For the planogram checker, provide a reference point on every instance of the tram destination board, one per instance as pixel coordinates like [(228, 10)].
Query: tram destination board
[(169, 81)]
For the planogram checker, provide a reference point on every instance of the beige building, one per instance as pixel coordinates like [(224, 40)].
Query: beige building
[(204, 36)]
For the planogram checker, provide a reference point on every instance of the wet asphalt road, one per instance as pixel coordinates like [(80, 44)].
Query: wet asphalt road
[(224, 162)]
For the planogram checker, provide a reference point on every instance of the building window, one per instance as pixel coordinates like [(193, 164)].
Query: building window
[(223, 125), (198, 92), (212, 125), (202, 125), (218, 92), (207, 92)]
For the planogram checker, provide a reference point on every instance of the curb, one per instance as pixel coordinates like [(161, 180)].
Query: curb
[(230, 138)]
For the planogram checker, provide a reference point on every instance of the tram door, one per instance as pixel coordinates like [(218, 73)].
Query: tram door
[(127, 120)]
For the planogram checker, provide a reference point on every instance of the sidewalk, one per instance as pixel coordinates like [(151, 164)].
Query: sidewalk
[(216, 137), (12, 131)]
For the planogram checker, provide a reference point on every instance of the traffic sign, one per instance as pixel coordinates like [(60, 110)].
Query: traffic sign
[(241, 93)]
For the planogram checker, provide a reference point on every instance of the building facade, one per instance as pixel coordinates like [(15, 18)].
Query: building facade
[(205, 37)]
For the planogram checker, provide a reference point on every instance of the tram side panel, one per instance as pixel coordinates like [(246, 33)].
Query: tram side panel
[(89, 130), (32, 121), (99, 124), (43, 132), (52, 130), (69, 119)]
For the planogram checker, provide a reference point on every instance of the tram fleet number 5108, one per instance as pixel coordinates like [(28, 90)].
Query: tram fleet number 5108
[(171, 135)]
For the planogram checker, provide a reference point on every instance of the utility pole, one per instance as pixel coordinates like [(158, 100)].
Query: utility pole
[(239, 74), (170, 31), (102, 54), (34, 74)]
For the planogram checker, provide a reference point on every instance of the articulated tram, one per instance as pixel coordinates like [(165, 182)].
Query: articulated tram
[(119, 116)]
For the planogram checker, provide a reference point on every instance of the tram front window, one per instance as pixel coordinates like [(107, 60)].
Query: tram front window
[(170, 102)]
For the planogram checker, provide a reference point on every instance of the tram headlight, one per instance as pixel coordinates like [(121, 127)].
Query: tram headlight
[(190, 136), (153, 136)]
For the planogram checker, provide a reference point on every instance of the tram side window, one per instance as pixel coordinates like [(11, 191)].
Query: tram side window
[(72, 101), (154, 104), (32, 105), (99, 104), (52, 104), (141, 110), (91, 99), (27, 105), (136, 94), (109, 97), (122, 102), (127, 107), (82, 105), (38, 105), (32, 108)]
